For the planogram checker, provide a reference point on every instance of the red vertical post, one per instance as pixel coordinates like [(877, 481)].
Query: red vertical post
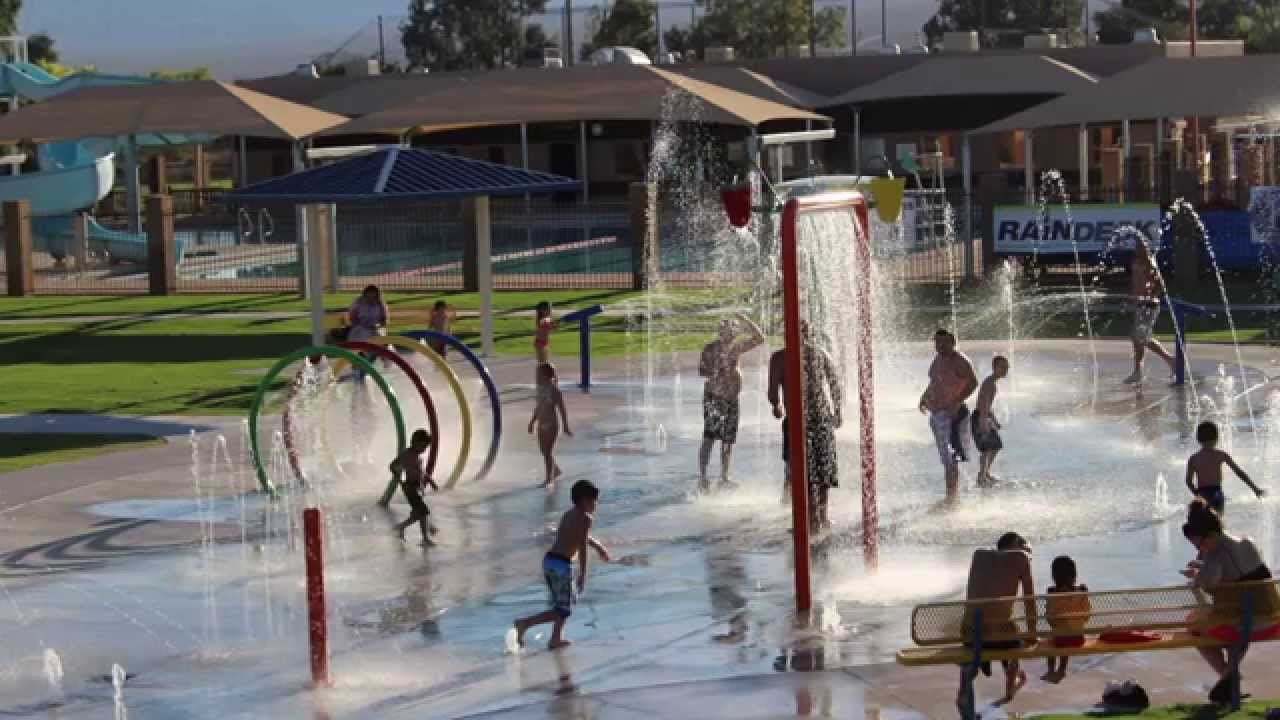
[(793, 386), (317, 618), (866, 390)]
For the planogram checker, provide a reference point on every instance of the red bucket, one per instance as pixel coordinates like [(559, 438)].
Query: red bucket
[(737, 204)]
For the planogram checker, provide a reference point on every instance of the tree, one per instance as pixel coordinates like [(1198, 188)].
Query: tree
[(1002, 23), (1261, 28), (758, 28), (465, 34), (196, 73), (9, 10), (630, 23), (40, 49), (1116, 25)]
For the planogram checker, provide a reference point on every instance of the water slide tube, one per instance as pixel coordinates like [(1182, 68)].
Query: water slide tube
[(74, 175)]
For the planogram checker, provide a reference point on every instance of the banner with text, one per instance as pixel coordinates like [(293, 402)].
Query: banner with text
[(1019, 228)]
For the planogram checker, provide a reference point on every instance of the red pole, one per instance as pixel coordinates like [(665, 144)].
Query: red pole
[(317, 619), (793, 387), (866, 391)]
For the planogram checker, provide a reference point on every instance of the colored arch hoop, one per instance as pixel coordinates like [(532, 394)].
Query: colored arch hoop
[(464, 448), (255, 407), (380, 351), (495, 404)]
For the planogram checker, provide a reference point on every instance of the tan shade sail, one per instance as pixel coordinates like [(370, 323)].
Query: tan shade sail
[(1164, 88), (613, 93), (978, 75), (199, 107)]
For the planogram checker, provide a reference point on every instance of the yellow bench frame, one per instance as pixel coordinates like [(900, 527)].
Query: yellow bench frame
[(953, 648)]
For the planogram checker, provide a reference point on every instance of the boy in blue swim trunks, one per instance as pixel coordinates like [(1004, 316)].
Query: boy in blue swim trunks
[(1204, 469), (572, 540)]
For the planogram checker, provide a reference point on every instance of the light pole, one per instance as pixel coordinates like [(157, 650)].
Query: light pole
[(884, 23)]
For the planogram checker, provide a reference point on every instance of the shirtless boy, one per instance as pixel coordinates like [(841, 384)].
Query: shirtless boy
[(986, 429), (572, 540), (951, 382), (1204, 469), (1000, 573), (409, 462)]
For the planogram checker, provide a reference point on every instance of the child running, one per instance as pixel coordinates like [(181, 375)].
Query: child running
[(410, 464), (986, 429), (1068, 613), (1204, 469), (572, 539), (548, 414), (442, 316), (543, 325)]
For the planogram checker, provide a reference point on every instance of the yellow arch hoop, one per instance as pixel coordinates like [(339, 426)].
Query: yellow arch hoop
[(400, 341)]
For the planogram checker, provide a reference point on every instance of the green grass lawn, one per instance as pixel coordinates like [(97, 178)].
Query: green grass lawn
[(24, 450), (211, 364), (1186, 712), (53, 306)]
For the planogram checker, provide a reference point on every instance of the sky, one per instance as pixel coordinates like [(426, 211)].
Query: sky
[(251, 38)]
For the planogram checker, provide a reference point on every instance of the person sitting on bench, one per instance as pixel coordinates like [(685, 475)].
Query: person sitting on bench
[(1223, 559), (999, 573)]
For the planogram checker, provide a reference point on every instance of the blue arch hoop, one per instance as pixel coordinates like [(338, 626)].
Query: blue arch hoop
[(494, 405)]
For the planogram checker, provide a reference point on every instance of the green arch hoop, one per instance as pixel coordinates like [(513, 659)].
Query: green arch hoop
[(328, 351)]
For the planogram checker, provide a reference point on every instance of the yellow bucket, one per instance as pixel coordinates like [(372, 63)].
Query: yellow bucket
[(888, 196)]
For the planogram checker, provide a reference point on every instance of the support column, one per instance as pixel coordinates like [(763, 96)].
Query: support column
[(966, 170), (484, 271), (644, 237), (1126, 156), (199, 168), (300, 235), (1028, 166), (162, 265), (1082, 143), (313, 265), (242, 158), (470, 247), (857, 142), (159, 174), (584, 175), (318, 225), (80, 240), (17, 248), (335, 276), (132, 185)]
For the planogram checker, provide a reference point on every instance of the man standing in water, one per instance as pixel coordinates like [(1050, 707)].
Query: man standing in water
[(1145, 291), (719, 365), (951, 382)]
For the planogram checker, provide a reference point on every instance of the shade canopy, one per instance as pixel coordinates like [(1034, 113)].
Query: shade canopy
[(756, 84), (613, 93), (979, 75), (1164, 88), (396, 173), (202, 106)]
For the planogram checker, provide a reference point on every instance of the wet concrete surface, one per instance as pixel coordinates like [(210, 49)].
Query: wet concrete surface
[(200, 595)]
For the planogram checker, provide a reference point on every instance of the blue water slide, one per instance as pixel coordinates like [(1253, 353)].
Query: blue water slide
[(74, 175)]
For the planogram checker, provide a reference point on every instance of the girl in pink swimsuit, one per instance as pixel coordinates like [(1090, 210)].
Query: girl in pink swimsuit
[(543, 325)]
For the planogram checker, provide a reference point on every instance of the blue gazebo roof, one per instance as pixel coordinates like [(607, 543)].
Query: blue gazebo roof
[(397, 173)]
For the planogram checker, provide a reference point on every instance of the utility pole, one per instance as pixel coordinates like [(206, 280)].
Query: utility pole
[(884, 23), (813, 28), (568, 33), (1195, 121), (382, 47), (853, 27)]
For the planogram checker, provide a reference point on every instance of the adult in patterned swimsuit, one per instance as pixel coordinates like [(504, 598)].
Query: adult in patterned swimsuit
[(951, 382), (1145, 292), (719, 365)]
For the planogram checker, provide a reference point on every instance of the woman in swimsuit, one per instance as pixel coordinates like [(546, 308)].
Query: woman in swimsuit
[(547, 403)]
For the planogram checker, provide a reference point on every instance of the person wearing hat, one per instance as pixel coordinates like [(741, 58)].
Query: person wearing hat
[(1000, 573), (719, 365)]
